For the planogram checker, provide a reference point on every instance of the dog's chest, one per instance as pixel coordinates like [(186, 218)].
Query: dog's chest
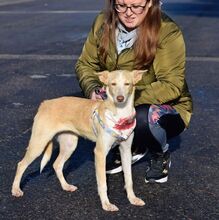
[(122, 124)]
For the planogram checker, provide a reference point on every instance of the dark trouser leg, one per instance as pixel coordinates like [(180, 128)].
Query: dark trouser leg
[(155, 125), (172, 124), (143, 138)]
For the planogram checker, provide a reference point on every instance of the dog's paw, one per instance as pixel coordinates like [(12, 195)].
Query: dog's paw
[(69, 188), (137, 201), (107, 206), (17, 192)]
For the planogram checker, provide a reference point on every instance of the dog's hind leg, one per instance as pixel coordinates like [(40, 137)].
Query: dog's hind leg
[(125, 152), (68, 143), (36, 146)]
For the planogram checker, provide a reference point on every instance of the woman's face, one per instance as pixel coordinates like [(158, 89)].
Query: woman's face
[(130, 19)]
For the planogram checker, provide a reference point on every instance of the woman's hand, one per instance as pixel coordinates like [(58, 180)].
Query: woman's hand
[(98, 94), (95, 96)]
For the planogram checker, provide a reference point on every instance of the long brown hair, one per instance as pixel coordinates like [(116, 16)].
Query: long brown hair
[(146, 44)]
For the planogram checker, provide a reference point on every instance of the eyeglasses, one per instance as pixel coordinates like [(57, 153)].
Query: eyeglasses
[(136, 9)]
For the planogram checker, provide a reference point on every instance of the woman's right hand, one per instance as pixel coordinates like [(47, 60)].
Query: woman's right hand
[(95, 96), (98, 94)]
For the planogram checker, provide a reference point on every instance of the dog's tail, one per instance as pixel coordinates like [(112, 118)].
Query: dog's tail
[(46, 157)]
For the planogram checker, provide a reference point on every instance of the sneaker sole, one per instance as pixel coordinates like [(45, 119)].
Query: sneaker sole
[(114, 171), (163, 180), (135, 158)]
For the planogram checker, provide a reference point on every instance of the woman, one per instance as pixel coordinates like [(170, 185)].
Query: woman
[(135, 34)]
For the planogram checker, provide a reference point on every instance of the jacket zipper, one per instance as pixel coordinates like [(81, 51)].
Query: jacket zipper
[(117, 57)]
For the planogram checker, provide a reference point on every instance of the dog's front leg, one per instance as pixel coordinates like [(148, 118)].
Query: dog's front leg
[(126, 157), (103, 145)]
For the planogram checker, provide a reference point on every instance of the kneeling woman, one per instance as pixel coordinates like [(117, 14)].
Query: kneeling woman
[(136, 34)]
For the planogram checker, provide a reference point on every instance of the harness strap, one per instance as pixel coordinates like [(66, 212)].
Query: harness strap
[(118, 135)]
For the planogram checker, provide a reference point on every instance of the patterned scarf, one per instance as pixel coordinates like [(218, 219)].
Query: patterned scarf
[(119, 128), (124, 39)]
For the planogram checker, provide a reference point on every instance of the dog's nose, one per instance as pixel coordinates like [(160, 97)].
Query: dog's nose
[(120, 98)]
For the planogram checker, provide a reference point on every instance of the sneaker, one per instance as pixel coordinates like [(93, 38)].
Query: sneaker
[(116, 165), (159, 167)]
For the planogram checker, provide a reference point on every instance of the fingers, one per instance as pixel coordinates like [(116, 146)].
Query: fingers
[(95, 96), (98, 94)]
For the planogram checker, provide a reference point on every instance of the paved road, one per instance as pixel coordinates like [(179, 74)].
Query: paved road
[(39, 44)]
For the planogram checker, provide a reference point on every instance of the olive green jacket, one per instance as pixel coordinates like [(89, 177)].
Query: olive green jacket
[(163, 83)]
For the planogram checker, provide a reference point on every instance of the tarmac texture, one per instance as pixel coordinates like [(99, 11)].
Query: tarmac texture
[(39, 44)]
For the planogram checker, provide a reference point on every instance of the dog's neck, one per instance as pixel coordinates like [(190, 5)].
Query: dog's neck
[(118, 119)]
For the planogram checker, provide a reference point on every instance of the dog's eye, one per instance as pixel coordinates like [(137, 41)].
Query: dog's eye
[(127, 84), (113, 84)]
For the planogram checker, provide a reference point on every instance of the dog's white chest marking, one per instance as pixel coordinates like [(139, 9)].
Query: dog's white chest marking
[(117, 126)]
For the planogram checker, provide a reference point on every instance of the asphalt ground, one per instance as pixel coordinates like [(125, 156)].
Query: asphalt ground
[(39, 44)]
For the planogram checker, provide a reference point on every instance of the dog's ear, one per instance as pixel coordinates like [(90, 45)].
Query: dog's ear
[(137, 75), (103, 76)]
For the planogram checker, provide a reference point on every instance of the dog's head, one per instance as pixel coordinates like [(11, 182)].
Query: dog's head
[(120, 84)]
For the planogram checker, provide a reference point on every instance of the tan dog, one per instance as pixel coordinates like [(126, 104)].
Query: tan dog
[(104, 122)]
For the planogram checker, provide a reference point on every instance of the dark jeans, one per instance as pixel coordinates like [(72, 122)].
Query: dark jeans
[(155, 125)]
